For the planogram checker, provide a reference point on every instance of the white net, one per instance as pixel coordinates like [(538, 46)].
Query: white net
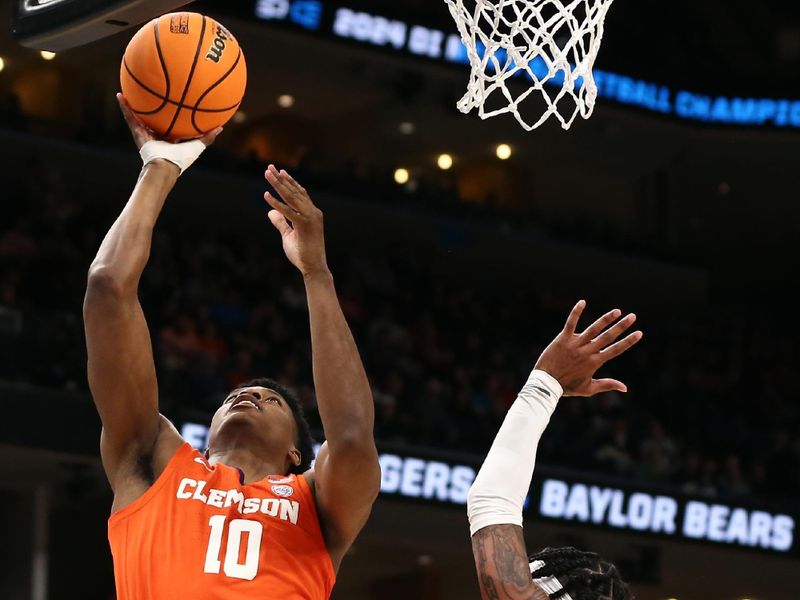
[(548, 45)]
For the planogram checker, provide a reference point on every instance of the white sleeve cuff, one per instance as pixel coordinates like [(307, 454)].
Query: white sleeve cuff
[(498, 493)]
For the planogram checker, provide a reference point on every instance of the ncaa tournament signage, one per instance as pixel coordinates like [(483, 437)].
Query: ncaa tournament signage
[(580, 500)]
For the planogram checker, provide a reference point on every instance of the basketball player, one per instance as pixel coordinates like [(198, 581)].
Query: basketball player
[(249, 518), (566, 367)]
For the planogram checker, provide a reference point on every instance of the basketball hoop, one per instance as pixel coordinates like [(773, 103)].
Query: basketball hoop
[(549, 45)]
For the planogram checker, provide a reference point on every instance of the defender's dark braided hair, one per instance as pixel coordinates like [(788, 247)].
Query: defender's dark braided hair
[(583, 575)]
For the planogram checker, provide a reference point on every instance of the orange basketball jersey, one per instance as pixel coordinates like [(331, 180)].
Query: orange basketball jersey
[(199, 533)]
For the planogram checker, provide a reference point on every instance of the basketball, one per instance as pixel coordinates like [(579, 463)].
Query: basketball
[(183, 74)]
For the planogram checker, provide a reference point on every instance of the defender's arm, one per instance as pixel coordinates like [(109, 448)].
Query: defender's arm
[(502, 564), (496, 498)]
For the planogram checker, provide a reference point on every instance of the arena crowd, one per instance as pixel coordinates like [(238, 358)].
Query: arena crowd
[(710, 410)]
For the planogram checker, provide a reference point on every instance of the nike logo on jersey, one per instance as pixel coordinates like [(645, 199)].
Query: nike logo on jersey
[(204, 463)]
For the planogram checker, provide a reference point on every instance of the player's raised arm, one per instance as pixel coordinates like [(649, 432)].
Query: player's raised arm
[(122, 376), (566, 367), (346, 476)]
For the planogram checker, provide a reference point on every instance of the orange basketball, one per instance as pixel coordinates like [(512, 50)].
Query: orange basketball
[(183, 74)]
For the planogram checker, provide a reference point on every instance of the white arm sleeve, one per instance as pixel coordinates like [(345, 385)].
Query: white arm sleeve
[(498, 493), (182, 154)]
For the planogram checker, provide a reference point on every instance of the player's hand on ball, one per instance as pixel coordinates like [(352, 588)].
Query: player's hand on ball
[(142, 134), (573, 358), (298, 221)]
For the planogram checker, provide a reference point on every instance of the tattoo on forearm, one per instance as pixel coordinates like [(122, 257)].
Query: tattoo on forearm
[(502, 564)]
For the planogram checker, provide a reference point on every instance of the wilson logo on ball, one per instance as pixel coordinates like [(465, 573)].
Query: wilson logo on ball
[(218, 45)]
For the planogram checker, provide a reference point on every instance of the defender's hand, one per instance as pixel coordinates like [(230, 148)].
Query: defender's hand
[(573, 358), (299, 223)]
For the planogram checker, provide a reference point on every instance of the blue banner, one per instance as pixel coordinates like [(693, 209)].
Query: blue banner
[(332, 19)]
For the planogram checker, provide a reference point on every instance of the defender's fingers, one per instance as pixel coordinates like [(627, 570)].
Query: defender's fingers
[(574, 316), (621, 346), (598, 326), (280, 222), (612, 333)]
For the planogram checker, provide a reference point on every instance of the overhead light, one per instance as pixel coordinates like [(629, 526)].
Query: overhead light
[(2, 63), (239, 117), (285, 100), (445, 161), (503, 151), (401, 176), (47, 55), (407, 128)]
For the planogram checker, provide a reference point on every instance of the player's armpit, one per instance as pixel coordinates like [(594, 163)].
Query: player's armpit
[(502, 564), (345, 486)]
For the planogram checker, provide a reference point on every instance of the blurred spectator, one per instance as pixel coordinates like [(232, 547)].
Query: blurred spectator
[(732, 481), (446, 357), (658, 454)]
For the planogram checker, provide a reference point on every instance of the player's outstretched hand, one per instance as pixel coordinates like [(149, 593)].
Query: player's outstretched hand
[(298, 221), (573, 358), (143, 134)]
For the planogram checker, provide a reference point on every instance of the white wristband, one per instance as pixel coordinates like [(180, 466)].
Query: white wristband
[(182, 154), (498, 493)]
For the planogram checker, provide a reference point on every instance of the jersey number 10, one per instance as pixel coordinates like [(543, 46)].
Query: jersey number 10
[(232, 567)]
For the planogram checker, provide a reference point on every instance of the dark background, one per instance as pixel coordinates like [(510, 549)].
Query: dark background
[(452, 284)]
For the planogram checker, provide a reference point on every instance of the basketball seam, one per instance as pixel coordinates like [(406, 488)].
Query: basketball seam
[(161, 61), (189, 78), (213, 85), (189, 106), (166, 100)]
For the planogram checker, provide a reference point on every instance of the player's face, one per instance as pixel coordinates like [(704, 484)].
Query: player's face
[(261, 411)]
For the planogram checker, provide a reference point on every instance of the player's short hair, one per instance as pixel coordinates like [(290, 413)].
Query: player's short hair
[(304, 441), (583, 575)]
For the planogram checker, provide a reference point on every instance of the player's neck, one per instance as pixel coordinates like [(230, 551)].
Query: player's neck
[(251, 466)]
